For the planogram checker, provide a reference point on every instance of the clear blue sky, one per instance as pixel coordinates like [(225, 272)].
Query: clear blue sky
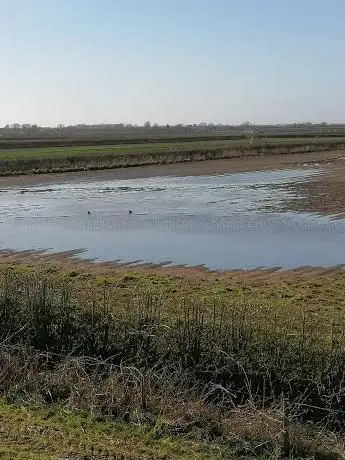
[(167, 61)]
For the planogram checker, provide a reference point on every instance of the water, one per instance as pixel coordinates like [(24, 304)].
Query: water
[(221, 221)]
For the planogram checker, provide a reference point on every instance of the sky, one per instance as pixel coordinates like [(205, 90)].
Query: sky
[(171, 61)]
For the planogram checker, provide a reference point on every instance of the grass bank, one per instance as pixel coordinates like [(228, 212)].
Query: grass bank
[(31, 432), (82, 158), (251, 369)]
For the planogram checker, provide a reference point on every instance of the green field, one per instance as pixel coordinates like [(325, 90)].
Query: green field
[(41, 160), (66, 152)]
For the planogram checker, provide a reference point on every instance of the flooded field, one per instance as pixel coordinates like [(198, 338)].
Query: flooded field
[(224, 221)]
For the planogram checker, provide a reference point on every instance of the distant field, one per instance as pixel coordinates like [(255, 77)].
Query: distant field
[(42, 160), (64, 152)]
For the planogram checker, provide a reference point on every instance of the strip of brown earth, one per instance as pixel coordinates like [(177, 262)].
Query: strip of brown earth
[(207, 167), (68, 260)]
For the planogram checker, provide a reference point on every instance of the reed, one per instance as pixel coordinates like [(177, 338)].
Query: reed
[(192, 373)]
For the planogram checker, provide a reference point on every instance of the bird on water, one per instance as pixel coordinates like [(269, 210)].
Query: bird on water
[(89, 212), (130, 211)]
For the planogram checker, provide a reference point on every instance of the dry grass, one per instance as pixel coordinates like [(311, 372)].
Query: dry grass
[(255, 370)]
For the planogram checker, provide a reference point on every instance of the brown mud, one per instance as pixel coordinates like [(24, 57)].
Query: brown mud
[(68, 260), (323, 194)]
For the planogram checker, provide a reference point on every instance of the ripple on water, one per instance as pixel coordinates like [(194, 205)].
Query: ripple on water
[(223, 221)]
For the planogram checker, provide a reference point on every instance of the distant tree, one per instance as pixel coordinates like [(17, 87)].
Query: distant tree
[(147, 124), (167, 126)]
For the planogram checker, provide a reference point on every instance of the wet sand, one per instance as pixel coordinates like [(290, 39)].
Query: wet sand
[(323, 195), (244, 164)]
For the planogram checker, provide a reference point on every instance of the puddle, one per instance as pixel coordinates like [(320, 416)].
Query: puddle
[(227, 221)]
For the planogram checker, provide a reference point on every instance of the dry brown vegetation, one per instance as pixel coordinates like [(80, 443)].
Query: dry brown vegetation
[(255, 369)]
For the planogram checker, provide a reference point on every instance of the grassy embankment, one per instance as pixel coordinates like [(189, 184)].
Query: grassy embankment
[(157, 366), (39, 160)]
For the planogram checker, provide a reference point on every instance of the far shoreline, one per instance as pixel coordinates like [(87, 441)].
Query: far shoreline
[(206, 167)]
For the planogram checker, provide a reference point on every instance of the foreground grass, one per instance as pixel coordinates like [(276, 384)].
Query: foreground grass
[(36, 433), (159, 365)]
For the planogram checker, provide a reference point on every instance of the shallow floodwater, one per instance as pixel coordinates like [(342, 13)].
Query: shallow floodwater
[(221, 221)]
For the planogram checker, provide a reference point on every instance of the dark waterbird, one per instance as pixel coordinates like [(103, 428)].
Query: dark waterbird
[(89, 212), (130, 212)]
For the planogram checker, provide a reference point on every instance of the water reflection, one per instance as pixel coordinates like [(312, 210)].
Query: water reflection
[(222, 221)]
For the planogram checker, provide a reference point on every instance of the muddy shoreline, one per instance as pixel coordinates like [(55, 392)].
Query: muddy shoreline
[(207, 167), (68, 260)]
